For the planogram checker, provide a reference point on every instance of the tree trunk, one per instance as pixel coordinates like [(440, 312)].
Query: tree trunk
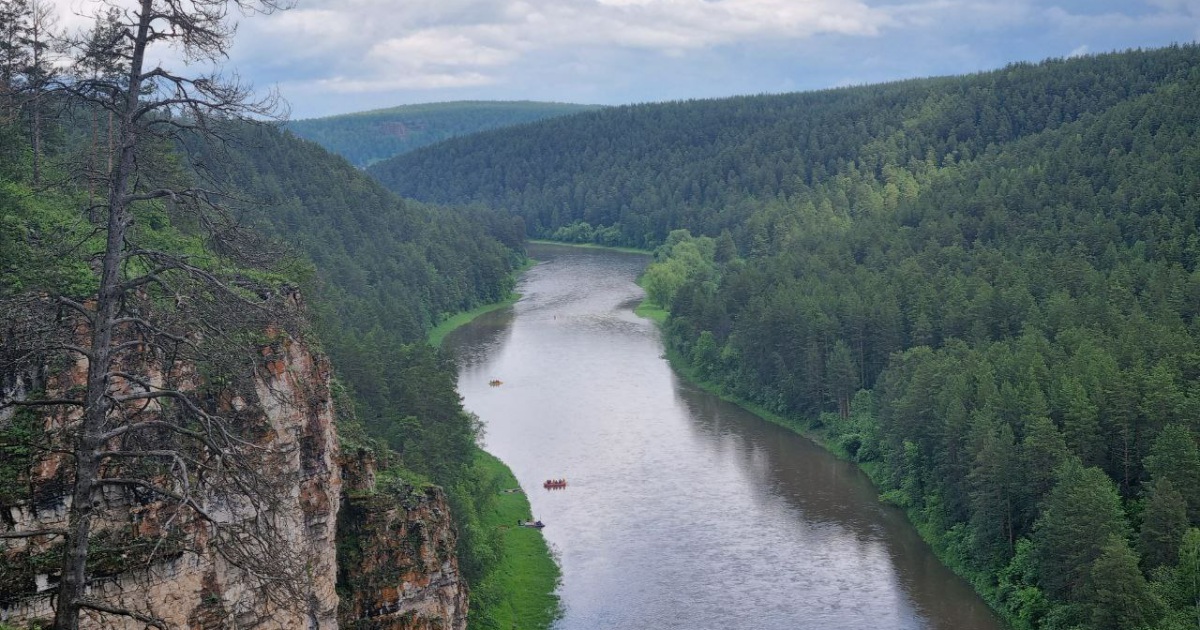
[(91, 172), (37, 137), (73, 585), (72, 589), (110, 142)]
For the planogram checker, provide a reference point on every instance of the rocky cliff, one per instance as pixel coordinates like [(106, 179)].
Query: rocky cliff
[(150, 559), (146, 558), (396, 549)]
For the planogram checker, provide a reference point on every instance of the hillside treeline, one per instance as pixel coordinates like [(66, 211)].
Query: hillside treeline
[(376, 272), (983, 288), (368, 137)]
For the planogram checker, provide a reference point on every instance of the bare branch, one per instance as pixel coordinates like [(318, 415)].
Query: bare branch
[(112, 610), (77, 307), (159, 490), (51, 402), (158, 424), (33, 533)]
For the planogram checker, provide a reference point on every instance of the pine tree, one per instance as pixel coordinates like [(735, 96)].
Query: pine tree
[(1119, 597), (1079, 517), (1187, 573), (995, 482), (1174, 456), (1164, 522)]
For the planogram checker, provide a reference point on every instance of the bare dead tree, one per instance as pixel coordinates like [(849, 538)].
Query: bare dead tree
[(39, 72), (14, 22), (147, 422)]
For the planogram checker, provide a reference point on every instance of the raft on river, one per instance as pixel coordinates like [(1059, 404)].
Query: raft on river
[(552, 484)]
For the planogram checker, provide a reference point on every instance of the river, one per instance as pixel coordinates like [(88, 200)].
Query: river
[(682, 511)]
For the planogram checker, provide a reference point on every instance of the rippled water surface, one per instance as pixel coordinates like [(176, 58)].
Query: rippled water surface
[(682, 511)]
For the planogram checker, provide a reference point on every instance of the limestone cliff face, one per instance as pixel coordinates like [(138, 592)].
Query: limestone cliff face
[(179, 577), (389, 553), (396, 551)]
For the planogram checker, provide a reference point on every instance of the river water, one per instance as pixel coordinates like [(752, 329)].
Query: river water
[(682, 511)]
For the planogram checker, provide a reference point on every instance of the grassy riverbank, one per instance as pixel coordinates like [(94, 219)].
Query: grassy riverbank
[(650, 310), (438, 333), (519, 592), (627, 250)]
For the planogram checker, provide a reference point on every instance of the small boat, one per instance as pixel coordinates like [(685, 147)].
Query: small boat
[(533, 524), (495, 382), (555, 484)]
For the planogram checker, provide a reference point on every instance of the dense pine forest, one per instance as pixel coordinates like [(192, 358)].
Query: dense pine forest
[(368, 137), (376, 272), (983, 288)]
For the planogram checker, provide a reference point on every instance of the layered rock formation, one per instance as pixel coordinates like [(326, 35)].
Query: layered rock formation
[(142, 561), (396, 547)]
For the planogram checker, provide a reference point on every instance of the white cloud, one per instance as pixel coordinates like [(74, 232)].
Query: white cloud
[(439, 47), (386, 43), (621, 50), (422, 81), (974, 14)]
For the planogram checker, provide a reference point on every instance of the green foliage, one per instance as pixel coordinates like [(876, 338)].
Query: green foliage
[(364, 138), (1119, 596), (1184, 582), (1164, 523), (1080, 516), (1008, 262), (679, 261), (43, 243), (519, 592), (703, 165), (1017, 592), (19, 440), (1174, 457)]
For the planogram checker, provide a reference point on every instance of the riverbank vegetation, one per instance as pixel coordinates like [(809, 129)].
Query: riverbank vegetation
[(984, 289), (438, 333), (519, 592)]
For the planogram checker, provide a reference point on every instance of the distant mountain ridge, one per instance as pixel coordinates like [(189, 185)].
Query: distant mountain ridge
[(367, 137), (644, 170)]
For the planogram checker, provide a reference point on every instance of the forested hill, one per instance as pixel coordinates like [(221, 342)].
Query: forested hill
[(367, 137), (984, 289), (386, 270), (643, 170)]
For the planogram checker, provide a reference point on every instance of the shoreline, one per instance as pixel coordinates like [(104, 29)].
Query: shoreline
[(659, 315), (520, 590), (611, 248), (437, 334)]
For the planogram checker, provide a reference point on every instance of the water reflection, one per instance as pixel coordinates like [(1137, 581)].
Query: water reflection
[(682, 511)]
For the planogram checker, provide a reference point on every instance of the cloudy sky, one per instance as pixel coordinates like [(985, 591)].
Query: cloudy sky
[(336, 56)]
